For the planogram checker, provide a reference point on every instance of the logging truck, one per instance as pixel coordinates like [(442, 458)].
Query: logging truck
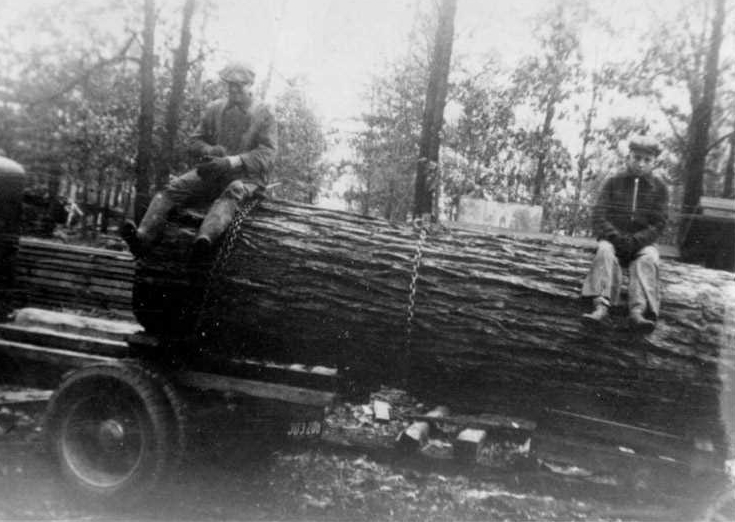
[(299, 303)]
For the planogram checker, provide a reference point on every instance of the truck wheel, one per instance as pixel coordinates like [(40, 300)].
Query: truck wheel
[(113, 431)]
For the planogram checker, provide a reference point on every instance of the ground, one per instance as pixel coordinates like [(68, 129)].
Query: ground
[(229, 475)]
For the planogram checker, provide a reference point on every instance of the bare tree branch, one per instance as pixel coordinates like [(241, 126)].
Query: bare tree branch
[(665, 111), (101, 64), (719, 140)]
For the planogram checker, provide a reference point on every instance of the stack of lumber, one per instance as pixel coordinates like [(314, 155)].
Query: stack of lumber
[(57, 275)]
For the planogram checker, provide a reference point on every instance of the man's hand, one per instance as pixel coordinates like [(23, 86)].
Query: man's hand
[(217, 151), (213, 167)]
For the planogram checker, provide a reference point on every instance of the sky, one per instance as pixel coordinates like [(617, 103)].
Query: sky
[(338, 44)]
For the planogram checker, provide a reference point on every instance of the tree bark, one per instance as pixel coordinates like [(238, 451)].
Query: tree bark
[(176, 97), (147, 108), (582, 161), (728, 189), (436, 97), (496, 325), (699, 126), (539, 180)]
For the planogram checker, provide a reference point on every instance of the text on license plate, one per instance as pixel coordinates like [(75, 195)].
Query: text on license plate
[(304, 429)]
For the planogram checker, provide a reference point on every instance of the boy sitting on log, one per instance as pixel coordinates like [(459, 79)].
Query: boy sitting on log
[(236, 145), (629, 216)]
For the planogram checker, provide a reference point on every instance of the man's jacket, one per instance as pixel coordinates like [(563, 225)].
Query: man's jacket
[(249, 132), (624, 209)]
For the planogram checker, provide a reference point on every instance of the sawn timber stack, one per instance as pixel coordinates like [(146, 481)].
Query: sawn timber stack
[(496, 324)]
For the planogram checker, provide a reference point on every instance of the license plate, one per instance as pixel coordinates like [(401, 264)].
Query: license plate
[(304, 429)]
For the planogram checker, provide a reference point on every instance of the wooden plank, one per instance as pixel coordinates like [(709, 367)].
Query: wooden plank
[(416, 435), (66, 290), (63, 340), (718, 203), (302, 368), (589, 457), (76, 323), (55, 356), (80, 305), (482, 422), (298, 375), (45, 298), (468, 444), (25, 397), (261, 389), (641, 440), (73, 259), (44, 244), (70, 254), (75, 285), (41, 297), (725, 215), (70, 257), (86, 266), (80, 278)]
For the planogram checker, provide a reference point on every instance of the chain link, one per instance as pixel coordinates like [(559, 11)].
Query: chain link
[(223, 256), (419, 224)]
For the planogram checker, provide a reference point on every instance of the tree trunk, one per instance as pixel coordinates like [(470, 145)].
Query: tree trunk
[(106, 209), (727, 190), (582, 161), (496, 326), (699, 126), (539, 180), (147, 108), (436, 97), (176, 97), (84, 218)]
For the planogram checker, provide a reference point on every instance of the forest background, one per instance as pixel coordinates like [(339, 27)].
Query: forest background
[(98, 97)]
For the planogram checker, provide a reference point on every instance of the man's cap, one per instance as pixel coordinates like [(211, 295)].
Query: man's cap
[(237, 72), (645, 144)]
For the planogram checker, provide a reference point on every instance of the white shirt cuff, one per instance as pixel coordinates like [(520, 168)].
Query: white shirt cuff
[(235, 161)]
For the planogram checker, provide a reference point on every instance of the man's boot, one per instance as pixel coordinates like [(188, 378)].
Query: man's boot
[(639, 322), (215, 223), (599, 315), (140, 239)]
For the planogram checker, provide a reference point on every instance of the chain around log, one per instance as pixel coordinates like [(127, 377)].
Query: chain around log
[(422, 227), (223, 255)]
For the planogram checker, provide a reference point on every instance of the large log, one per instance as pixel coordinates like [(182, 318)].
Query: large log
[(496, 322)]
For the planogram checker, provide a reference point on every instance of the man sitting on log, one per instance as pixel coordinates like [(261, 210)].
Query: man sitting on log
[(236, 146), (629, 216)]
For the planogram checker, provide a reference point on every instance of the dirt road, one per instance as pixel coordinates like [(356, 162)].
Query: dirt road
[(232, 477)]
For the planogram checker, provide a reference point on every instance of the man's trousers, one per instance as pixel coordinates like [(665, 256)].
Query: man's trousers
[(605, 278)]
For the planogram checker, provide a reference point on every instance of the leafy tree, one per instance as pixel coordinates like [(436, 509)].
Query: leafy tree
[(547, 81), (301, 145), (70, 99), (683, 58), (387, 147), (481, 157)]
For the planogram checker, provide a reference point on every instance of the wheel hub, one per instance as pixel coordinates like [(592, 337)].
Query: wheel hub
[(111, 434)]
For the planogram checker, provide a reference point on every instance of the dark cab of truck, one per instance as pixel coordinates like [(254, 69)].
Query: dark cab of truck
[(12, 180)]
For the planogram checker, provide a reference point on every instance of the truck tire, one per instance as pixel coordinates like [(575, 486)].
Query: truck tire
[(115, 431)]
